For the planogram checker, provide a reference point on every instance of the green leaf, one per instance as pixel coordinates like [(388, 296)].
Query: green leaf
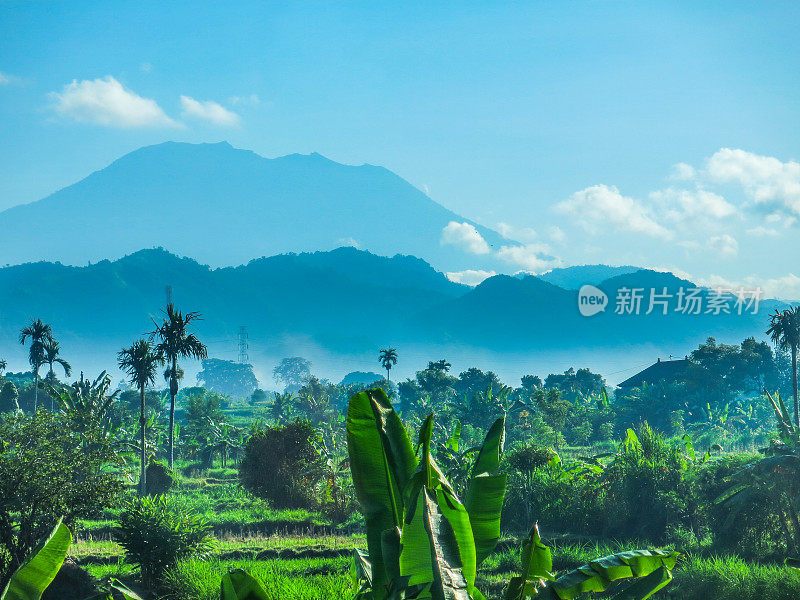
[(33, 576), (430, 556), (646, 586), (488, 460), (240, 585), (537, 564), (596, 575), (486, 490), (382, 461)]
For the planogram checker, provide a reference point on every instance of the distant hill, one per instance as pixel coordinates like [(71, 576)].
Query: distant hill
[(572, 278), (339, 307), (224, 206)]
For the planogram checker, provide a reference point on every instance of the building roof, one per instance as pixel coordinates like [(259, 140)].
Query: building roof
[(658, 371)]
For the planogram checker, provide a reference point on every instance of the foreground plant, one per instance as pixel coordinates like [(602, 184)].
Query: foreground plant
[(651, 568), (157, 533), (423, 542)]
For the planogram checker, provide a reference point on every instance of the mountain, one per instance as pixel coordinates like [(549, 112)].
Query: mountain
[(224, 206), (572, 278), (338, 308)]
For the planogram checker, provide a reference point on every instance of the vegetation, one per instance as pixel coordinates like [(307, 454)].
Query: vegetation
[(272, 491)]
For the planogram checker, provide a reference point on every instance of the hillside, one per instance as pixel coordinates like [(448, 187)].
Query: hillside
[(340, 306)]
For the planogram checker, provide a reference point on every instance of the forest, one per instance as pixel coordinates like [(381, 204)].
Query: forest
[(443, 485)]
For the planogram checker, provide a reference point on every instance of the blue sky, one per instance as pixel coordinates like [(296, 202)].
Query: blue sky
[(660, 134)]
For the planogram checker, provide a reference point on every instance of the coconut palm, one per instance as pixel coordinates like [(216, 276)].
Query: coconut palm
[(784, 330), (388, 358), (3, 365), (175, 342), (141, 363), (39, 334)]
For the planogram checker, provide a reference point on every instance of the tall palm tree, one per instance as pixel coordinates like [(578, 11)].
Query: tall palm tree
[(52, 356), (3, 365), (141, 363), (175, 342), (784, 328), (39, 334), (388, 358)]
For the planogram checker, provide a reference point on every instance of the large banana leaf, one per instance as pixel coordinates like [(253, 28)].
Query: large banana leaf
[(437, 555), (485, 492), (382, 461), (537, 564), (596, 575), (240, 585), (33, 576)]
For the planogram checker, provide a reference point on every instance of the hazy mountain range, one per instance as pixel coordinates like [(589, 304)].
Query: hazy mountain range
[(224, 206), (339, 307)]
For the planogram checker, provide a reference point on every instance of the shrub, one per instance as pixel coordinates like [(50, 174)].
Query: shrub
[(157, 532), (278, 464), (49, 471), (159, 478)]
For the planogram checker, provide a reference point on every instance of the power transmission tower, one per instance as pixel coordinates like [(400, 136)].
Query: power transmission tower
[(243, 357)]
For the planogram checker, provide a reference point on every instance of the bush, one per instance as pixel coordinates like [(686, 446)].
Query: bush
[(49, 471), (159, 478), (278, 464), (157, 532)]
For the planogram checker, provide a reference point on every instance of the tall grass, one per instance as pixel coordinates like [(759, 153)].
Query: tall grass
[(305, 579)]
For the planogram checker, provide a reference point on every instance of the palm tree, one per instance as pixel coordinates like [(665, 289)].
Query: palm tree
[(785, 332), (176, 341), (52, 351), (3, 365), (141, 363), (388, 358), (39, 333)]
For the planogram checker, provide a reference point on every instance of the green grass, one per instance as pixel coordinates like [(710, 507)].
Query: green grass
[(305, 579)]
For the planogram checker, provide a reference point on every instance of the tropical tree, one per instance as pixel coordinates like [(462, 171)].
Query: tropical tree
[(175, 341), (52, 356), (388, 358), (141, 363), (281, 407), (784, 329), (3, 365), (39, 334)]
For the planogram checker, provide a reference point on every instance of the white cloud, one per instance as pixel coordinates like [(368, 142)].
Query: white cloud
[(470, 277), (684, 207), (348, 241), (557, 234), (682, 172), (725, 245), (251, 100), (532, 257), (762, 231), (785, 288), (464, 236), (209, 111), (8, 79), (600, 205), (106, 102), (519, 234), (145, 67), (766, 179)]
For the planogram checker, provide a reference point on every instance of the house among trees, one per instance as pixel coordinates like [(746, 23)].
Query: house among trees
[(661, 370)]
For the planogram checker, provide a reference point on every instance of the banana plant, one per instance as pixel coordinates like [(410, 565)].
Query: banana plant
[(33, 576), (422, 541), (240, 585), (651, 569)]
